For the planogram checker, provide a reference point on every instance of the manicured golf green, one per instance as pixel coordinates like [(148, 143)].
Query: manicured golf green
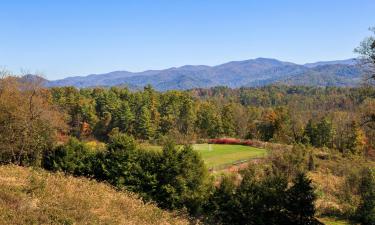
[(220, 154), (333, 221)]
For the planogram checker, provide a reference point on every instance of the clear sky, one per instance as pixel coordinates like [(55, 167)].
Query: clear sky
[(77, 37)]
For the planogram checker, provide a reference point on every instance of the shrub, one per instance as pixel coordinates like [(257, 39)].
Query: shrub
[(74, 158), (262, 199), (224, 141), (248, 143), (174, 178), (182, 179), (230, 141)]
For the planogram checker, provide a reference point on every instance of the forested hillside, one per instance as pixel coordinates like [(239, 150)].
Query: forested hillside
[(246, 73)]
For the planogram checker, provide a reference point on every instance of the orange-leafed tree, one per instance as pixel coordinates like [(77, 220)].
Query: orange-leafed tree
[(29, 122)]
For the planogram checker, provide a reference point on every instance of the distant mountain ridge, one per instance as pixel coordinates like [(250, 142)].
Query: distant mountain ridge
[(340, 62), (247, 73)]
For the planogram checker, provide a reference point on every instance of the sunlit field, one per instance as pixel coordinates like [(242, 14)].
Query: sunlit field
[(333, 221), (220, 155)]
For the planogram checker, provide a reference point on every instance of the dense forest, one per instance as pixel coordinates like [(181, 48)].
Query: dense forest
[(320, 143), (330, 117)]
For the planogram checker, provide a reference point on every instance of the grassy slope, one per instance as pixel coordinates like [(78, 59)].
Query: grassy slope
[(29, 196)]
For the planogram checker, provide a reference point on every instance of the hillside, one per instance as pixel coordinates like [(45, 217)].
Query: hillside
[(248, 73), (30, 196)]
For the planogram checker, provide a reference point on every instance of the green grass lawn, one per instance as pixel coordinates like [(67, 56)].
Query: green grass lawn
[(219, 154), (333, 221)]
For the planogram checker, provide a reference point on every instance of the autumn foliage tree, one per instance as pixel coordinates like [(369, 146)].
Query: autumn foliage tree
[(28, 121)]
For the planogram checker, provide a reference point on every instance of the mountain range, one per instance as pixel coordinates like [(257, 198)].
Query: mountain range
[(247, 73)]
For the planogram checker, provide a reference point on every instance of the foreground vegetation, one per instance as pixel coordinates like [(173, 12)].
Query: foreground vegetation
[(29, 196)]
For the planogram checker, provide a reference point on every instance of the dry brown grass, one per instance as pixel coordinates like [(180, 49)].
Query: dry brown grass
[(328, 187), (337, 181), (29, 196)]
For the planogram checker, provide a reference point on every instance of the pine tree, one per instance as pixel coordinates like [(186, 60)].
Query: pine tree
[(310, 132), (222, 207), (183, 179), (324, 133), (366, 210), (300, 201), (144, 126), (123, 118), (151, 99)]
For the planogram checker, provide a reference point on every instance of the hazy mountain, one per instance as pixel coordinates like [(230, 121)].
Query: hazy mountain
[(254, 72), (335, 62)]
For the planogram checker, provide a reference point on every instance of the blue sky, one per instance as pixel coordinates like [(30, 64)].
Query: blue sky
[(77, 37)]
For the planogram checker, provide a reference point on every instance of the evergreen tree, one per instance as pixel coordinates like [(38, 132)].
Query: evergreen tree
[(366, 210), (300, 201), (123, 118), (120, 163), (262, 200), (143, 121), (222, 207), (183, 179), (324, 133), (310, 133), (152, 100), (88, 116)]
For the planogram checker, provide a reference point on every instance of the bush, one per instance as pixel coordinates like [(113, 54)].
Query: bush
[(74, 157), (182, 179), (120, 163), (231, 141), (174, 178), (262, 199)]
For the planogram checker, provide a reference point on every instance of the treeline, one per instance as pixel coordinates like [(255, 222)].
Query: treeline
[(330, 117)]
